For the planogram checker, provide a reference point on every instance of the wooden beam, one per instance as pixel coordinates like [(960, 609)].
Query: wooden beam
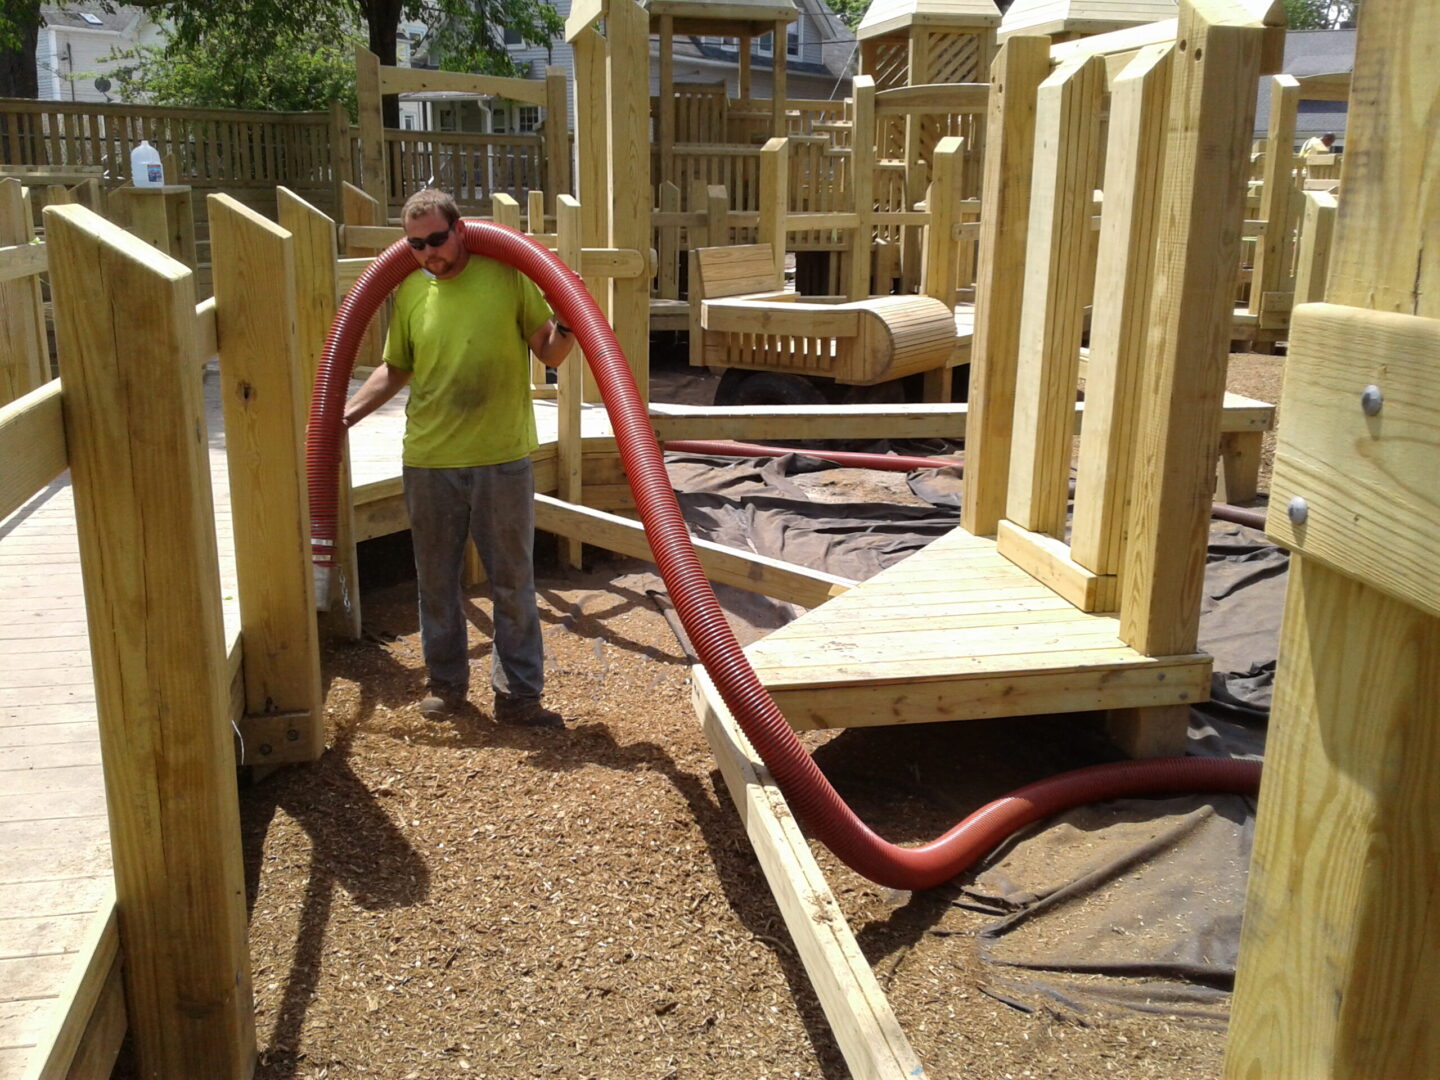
[(22, 261), (860, 1017), (1312, 258), (1277, 199), (933, 98), (628, 78), (1124, 276), (727, 566), (1212, 116), (400, 80), (135, 424), (263, 400), (862, 173), (774, 199), (1023, 62), (374, 175), (60, 1047), (584, 14), (559, 169), (24, 344), (667, 100), (1067, 112), (778, 62), (317, 289), (32, 445)]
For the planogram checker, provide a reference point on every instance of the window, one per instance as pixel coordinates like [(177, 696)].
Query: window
[(792, 39), (527, 118), (93, 20), (512, 37), (765, 45)]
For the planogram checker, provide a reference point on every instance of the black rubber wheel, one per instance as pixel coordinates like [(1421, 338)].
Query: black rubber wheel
[(740, 387)]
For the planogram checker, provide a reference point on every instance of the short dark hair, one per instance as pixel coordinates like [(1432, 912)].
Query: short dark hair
[(427, 200)]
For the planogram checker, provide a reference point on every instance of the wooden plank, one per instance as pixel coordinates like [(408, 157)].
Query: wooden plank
[(92, 971), (263, 400), (125, 318), (949, 98), (968, 697), (1124, 275), (1202, 205), (1277, 199), (1334, 980), (569, 228), (100, 1043), (317, 286), (32, 445), (1067, 112), (774, 201), (628, 80), (21, 261), (559, 170), (374, 178), (24, 350), (860, 1017), (1023, 62), (1369, 481), (862, 174), (744, 570), (399, 80), (1312, 259), (1049, 561), (940, 273)]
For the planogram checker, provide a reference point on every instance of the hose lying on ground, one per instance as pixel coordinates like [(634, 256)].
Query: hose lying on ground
[(811, 796)]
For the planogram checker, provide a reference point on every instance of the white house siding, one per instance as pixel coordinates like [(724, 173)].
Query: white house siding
[(68, 58)]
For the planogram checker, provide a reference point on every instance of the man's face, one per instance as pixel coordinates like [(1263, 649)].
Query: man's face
[(443, 261)]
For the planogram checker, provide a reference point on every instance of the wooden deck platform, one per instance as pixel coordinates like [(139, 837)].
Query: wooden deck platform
[(57, 929), (957, 631)]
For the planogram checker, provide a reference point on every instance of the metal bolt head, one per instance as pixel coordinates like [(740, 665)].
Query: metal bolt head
[(1371, 399), (1298, 510)]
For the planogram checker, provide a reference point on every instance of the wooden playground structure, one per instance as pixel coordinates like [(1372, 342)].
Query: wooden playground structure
[(945, 221)]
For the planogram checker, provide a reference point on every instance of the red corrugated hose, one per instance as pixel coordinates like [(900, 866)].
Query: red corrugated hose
[(811, 796)]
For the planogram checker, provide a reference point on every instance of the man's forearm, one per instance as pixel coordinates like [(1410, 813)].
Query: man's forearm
[(556, 346), (382, 385)]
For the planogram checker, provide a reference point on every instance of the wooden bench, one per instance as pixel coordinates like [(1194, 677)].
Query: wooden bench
[(742, 317)]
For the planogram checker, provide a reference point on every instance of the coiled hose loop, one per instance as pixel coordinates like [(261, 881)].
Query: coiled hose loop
[(811, 796)]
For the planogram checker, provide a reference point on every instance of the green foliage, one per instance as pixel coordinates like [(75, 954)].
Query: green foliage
[(289, 69), (1307, 14), (850, 11)]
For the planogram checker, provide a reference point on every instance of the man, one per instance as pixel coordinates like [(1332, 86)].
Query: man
[(460, 338), (1318, 144)]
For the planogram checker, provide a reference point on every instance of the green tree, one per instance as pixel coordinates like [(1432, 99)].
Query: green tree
[(288, 70), (850, 11)]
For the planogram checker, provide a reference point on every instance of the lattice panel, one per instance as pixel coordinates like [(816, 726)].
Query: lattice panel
[(955, 58), (892, 64)]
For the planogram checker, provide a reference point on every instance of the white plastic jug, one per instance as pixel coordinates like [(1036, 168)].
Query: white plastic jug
[(145, 167)]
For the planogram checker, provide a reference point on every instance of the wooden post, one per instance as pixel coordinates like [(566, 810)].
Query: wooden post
[(667, 99), (1212, 113), (316, 295), (1139, 103), (628, 37), (775, 199), (593, 142), (342, 156), (916, 169), (668, 285), (1067, 111), (135, 433), (559, 174), (504, 210), (373, 179), (570, 393), (24, 346), (778, 90), (1312, 261), (1337, 976), (862, 181), (535, 225), (941, 268), (262, 397), (743, 84), (1022, 63), (1272, 250)]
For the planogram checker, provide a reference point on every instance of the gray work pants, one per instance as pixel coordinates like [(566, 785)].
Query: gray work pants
[(495, 504)]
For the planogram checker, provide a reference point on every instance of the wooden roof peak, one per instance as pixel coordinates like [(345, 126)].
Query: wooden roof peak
[(1082, 16), (885, 17)]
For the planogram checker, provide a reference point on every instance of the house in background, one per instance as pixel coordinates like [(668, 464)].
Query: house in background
[(74, 41), (1313, 52)]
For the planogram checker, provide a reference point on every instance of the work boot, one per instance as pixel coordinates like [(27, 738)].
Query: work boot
[(441, 702), (525, 712)]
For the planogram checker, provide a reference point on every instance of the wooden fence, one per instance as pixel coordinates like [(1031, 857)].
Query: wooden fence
[(473, 168)]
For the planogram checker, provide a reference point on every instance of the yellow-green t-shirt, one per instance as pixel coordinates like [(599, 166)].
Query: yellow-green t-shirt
[(466, 340)]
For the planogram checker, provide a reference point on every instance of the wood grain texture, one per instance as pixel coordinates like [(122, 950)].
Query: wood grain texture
[(1201, 210), (125, 325)]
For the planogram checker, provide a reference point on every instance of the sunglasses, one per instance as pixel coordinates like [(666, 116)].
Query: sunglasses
[(435, 239)]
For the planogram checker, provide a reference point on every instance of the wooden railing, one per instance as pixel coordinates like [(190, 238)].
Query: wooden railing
[(210, 147), (474, 168)]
